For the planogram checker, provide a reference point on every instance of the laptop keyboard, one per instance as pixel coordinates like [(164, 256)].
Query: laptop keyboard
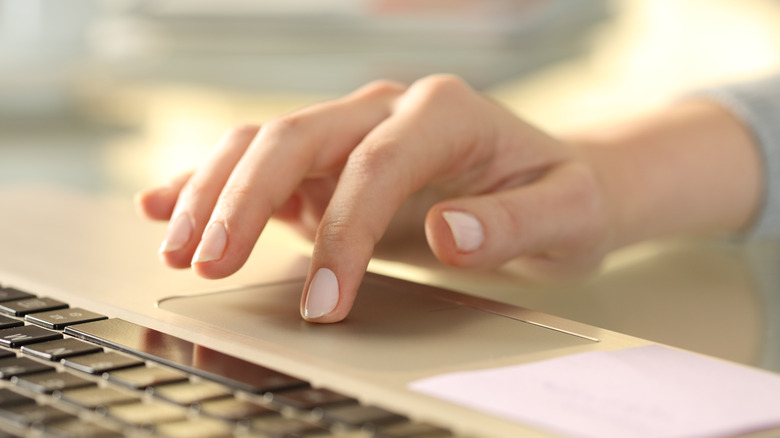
[(70, 372)]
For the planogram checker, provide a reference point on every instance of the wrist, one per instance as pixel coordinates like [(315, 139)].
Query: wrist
[(690, 169)]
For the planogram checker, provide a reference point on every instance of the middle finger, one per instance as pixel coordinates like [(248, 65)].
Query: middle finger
[(314, 141)]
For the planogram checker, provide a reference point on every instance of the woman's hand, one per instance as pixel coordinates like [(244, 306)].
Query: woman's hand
[(339, 171), (495, 189)]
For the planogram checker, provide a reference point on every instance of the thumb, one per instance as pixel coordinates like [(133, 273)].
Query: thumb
[(559, 219)]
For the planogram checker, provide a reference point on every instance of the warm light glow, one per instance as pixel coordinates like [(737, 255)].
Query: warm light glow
[(653, 52)]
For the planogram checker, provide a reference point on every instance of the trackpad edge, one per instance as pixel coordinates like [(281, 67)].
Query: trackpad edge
[(391, 327)]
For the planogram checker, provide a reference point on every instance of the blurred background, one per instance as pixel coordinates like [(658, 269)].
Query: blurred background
[(108, 97), (115, 95), (82, 80)]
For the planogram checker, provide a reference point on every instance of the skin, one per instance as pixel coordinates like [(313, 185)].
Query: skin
[(341, 171)]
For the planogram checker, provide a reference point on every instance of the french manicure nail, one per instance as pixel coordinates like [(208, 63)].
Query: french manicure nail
[(179, 233), (466, 230), (323, 294), (212, 246)]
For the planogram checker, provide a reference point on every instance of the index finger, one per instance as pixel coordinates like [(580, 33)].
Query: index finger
[(431, 133)]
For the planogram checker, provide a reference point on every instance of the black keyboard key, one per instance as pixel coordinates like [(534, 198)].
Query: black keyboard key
[(6, 353), (10, 293), (30, 305), (310, 398), (144, 377), (59, 319), (31, 414), (18, 366), (60, 349), (29, 334), (48, 382), (11, 398), (8, 322), (191, 393), (99, 363), (166, 349)]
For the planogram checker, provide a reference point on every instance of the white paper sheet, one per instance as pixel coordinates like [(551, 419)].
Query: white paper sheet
[(643, 392)]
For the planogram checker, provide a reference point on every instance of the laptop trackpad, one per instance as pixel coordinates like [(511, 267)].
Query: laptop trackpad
[(394, 325)]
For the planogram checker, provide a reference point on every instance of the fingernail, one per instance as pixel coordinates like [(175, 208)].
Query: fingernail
[(213, 243), (323, 294), (466, 230), (179, 233)]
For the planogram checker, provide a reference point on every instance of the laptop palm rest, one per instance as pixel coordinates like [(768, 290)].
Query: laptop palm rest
[(394, 325)]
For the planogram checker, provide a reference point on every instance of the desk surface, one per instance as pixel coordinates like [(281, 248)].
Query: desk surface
[(714, 297)]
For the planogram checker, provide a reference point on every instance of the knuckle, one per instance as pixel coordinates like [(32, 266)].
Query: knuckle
[(241, 197), (583, 195), (441, 87), (282, 126), (236, 192), (192, 190), (583, 188), (371, 159), (381, 87), (241, 209), (230, 200), (243, 131), (511, 220), (337, 234), (334, 230), (341, 233)]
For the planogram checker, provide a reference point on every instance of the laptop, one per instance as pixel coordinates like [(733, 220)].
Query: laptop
[(102, 340)]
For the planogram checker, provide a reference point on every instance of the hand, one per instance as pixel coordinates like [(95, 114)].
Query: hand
[(339, 172)]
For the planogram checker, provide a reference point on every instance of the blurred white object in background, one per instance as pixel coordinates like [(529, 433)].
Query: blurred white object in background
[(283, 45), (42, 45), (73, 73), (335, 46)]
